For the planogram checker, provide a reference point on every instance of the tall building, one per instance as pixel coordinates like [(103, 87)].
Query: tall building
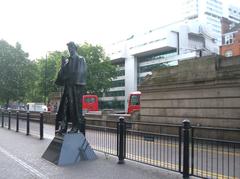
[(233, 13), (138, 55), (210, 12), (199, 33)]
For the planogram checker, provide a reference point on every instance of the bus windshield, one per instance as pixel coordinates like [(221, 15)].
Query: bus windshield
[(135, 100)]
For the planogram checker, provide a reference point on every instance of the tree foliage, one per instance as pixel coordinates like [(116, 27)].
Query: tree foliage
[(24, 80), (47, 69), (15, 72), (100, 70)]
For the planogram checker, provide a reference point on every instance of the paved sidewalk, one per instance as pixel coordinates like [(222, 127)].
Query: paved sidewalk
[(20, 157)]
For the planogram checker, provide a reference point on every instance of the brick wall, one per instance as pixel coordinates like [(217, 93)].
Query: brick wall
[(234, 47)]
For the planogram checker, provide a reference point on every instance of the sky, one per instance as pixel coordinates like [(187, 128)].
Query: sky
[(42, 26)]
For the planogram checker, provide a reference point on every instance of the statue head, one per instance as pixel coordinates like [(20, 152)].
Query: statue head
[(72, 48)]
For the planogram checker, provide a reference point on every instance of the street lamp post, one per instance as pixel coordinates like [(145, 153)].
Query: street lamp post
[(45, 82)]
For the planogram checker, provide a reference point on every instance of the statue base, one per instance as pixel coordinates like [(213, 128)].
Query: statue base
[(69, 149)]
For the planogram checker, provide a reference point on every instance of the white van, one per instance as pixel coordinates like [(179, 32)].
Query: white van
[(39, 107)]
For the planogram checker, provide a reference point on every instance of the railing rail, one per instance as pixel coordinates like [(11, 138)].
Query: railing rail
[(204, 152), (14, 118), (180, 148)]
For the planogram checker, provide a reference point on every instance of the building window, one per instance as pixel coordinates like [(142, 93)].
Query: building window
[(118, 83), (161, 55), (121, 73), (228, 39), (117, 105), (115, 93), (151, 67), (228, 53), (140, 80)]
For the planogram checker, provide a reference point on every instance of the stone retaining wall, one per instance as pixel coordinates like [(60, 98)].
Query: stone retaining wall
[(206, 91)]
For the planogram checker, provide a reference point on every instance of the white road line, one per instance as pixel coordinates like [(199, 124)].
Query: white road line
[(23, 164)]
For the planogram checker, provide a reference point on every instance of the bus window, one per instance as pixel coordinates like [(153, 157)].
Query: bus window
[(90, 100), (135, 100), (90, 103)]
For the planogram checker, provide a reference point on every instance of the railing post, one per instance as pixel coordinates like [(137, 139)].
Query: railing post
[(56, 122), (180, 149), (83, 125), (28, 120), (192, 152), (2, 118), (121, 140), (41, 125), (17, 122), (9, 120), (186, 128)]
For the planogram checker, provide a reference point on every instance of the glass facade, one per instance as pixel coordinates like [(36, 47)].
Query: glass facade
[(151, 67), (115, 104), (115, 93), (157, 56), (154, 63), (118, 83), (121, 72)]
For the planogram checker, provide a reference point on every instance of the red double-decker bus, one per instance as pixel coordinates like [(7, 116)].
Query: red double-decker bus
[(89, 103)]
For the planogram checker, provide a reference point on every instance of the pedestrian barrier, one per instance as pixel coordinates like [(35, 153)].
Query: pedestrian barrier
[(187, 149), (204, 152), (25, 117), (215, 158)]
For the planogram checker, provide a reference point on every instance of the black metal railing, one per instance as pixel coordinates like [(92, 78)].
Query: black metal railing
[(181, 148), (102, 135), (134, 141), (214, 157), (191, 150), (147, 144), (21, 121)]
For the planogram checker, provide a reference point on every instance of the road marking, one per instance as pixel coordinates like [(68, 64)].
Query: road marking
[(23, 164)]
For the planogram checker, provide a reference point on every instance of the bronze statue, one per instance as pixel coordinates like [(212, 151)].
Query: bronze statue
[(72, 76)]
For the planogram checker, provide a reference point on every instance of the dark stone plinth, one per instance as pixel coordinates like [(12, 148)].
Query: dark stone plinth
[(69, 149), (53, 151)]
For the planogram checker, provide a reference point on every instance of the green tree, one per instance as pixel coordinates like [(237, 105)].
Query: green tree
[(100, 72), (24, 80), (47, 69), (15, 71)]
